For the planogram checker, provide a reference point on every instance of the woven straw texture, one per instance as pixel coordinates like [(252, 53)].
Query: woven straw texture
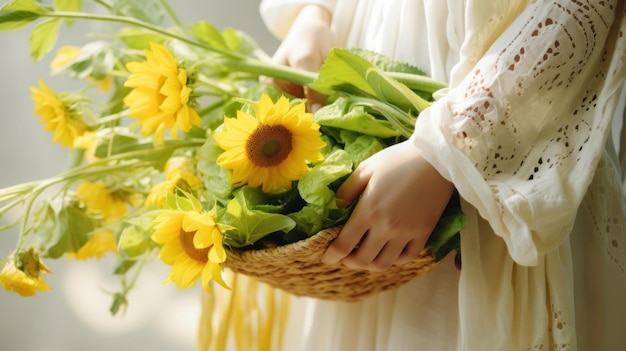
[(298, 269)]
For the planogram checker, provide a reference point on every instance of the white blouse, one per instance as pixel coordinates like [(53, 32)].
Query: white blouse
[(524, 133)]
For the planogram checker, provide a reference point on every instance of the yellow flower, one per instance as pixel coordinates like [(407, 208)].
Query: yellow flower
[(157, 195), (177, 168), (88, 142), (272, 149), (57, 115), (65, 55), (98, 198), (192, 245), (23, 273), (180, 173), (160, 98), (99, 243)]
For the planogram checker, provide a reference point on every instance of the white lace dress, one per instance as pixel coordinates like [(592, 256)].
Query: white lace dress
[(524, 133)]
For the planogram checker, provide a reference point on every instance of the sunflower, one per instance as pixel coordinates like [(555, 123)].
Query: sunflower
[(272, 149), (58, 115), (111, 204), (99, 243), (88, 141), (160, 98), (180, 173), (178, 167), (192, 245), (23, 273)]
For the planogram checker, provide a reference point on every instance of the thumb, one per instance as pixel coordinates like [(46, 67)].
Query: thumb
[(352, 188)]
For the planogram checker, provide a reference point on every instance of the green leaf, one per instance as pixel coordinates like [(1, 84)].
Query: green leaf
[(43, 38), (314, 186), (208, 34), (149, 11), (124, 266), (70, 232), (387, 64), (445, 237), (139, 39), (19, 13), (133, 241), (308, 220), (361, 147), (215, 178), (242, 43), (245, 227), (347, 72), (342, 114), (119, 301), (96, 59), (68, 6)]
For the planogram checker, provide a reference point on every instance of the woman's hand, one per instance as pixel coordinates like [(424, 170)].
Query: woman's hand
[(305, 47), (402, 199)]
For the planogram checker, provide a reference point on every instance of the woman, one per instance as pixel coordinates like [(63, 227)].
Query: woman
[(524, 135)]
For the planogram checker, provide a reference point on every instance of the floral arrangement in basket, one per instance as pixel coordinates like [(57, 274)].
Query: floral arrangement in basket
[(189, 159)]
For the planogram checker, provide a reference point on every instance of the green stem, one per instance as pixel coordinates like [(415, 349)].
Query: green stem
[(112, 118), (417, 82), (142, 24), (257, 67), (170, 12), (76, 158)]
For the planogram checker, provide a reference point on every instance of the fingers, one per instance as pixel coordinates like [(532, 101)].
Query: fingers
[(349, 238), (353, 186), (410, 252), (314, 99), (375, 254)]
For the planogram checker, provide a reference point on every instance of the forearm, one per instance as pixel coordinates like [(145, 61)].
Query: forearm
[(520, 136), (280, 15)]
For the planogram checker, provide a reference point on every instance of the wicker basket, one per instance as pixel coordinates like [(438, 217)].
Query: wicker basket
[(298, 269)]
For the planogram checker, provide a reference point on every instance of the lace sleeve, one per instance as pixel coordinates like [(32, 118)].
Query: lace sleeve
[(278, 15), (520, 136)]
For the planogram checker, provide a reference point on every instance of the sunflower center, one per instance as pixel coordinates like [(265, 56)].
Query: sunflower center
[(186, 241), (268, 146)]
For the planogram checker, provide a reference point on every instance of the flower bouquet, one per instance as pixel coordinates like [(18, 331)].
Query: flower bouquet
[(190, 159)]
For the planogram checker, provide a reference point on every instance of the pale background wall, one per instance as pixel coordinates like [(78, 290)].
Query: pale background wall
[(74, 315)]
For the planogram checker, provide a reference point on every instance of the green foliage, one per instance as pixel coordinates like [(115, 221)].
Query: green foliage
[(345, 72), (148, 11), (445, 237), (69, 6), (355, 118), (138, 38), (243, 226), (43, 38), (19, 13), (69, 228)]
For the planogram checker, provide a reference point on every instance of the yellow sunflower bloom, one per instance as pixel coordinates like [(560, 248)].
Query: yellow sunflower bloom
[(88, 142), (57, 115), (179, 167), (99, 243), (65, 55), (23, 273), (98, 198), (158, 193), (192, 245), (160, 97), (180, 173), (272, 149)]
